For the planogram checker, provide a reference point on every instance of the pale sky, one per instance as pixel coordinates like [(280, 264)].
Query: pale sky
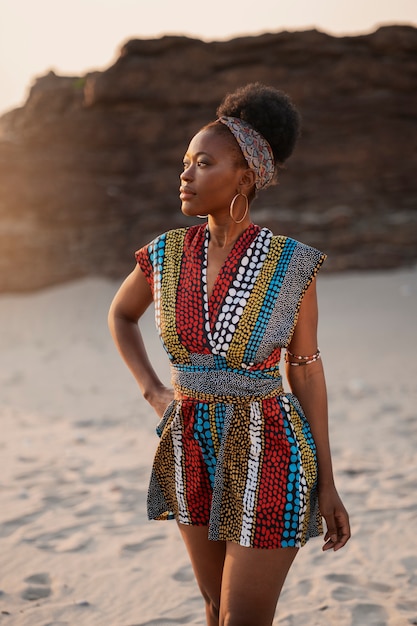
[(76, 36)]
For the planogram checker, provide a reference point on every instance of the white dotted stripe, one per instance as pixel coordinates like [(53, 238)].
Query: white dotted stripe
[(176, 433), (249, 496), (239, 292)]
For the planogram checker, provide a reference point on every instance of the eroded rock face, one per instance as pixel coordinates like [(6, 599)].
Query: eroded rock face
[(89, 166)]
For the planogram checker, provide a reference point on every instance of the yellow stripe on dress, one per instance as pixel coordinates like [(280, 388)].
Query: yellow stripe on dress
[(174, 247), (250, 315)]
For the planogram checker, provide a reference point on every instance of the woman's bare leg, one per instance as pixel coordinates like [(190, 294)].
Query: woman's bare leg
[(251, 584), (207, 559)]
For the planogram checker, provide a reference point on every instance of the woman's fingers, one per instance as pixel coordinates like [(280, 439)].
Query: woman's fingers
[(338, 531)]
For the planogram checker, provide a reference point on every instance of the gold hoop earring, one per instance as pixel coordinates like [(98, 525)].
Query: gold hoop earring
[(232, 206)]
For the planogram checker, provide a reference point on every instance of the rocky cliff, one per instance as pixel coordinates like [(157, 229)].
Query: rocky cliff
[(89, 166)]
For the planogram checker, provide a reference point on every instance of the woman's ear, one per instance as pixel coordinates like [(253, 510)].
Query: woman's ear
[(248, 180)]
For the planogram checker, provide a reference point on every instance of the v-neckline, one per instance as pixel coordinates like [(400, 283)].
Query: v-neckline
[(249, 234), (208, 296), (222, 310)]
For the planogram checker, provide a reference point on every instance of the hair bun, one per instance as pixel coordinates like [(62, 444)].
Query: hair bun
[(267, 110)]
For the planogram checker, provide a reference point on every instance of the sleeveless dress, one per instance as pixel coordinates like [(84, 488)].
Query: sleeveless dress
[(236, 452)]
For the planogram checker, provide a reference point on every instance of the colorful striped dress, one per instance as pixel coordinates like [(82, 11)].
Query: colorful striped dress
[(236, 452)]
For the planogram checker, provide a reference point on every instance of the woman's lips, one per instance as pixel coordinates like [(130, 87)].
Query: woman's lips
[(186, 194)]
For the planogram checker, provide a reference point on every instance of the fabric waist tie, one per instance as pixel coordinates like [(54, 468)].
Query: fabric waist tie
[(223, 386)]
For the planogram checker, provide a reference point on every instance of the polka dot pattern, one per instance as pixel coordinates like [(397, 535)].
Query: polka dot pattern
[(235, 453)]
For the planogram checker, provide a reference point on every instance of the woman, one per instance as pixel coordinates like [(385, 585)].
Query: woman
[(244, 470)]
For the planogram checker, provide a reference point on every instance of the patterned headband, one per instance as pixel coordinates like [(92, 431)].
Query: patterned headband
[(255, 149)]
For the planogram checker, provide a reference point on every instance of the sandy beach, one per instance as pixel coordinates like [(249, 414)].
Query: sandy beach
[(77, 442)]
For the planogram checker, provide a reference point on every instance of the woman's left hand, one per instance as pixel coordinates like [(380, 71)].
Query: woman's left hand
[(336, 517)]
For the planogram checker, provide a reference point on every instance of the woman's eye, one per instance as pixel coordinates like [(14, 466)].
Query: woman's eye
[(187, 164)]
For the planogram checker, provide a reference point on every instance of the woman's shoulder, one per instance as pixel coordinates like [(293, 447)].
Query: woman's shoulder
[(282, 242), (174, 240), (295, 258), (174, 234)]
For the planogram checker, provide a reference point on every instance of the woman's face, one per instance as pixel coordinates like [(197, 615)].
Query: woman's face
[(211, 177)]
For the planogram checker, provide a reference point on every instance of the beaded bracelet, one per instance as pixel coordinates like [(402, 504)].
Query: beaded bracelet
[(305, 360)]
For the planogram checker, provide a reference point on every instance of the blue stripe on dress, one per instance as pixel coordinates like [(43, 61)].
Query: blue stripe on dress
[(269, 302), (292, 507), (202, 434)]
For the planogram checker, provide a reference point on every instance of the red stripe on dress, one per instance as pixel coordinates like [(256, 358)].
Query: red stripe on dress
[(199, 492), (189, 311), (270, 510)]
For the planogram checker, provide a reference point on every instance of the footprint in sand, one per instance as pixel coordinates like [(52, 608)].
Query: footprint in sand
[(129, 548), (184, 574), (304, 587), (353, 581), (351, 588), (74, 543), (341, 594), (38, 587), (369, 614), (69, 539), (9, 527)]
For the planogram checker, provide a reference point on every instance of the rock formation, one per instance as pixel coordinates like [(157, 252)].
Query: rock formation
[(89, 165)]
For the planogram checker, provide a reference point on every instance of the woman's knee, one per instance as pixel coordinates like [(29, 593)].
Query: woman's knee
[(212, 604), (231, 618), (213, 609)]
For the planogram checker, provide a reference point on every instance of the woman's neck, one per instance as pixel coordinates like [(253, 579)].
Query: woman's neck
[(225, 234)]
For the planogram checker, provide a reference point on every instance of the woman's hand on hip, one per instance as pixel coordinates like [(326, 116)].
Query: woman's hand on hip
[(160, 399)]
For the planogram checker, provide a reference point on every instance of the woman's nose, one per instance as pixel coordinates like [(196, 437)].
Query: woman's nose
[(186, 174)]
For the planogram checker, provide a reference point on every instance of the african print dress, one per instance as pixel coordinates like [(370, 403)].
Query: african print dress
[(236, 452)]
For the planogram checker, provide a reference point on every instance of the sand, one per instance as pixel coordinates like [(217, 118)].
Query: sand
[(77, 442)]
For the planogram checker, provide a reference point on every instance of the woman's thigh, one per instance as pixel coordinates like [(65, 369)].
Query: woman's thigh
[(207, 559), (251, 584)]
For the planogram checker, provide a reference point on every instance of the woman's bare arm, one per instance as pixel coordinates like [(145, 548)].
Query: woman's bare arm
[(307, 382), (128, 306)]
